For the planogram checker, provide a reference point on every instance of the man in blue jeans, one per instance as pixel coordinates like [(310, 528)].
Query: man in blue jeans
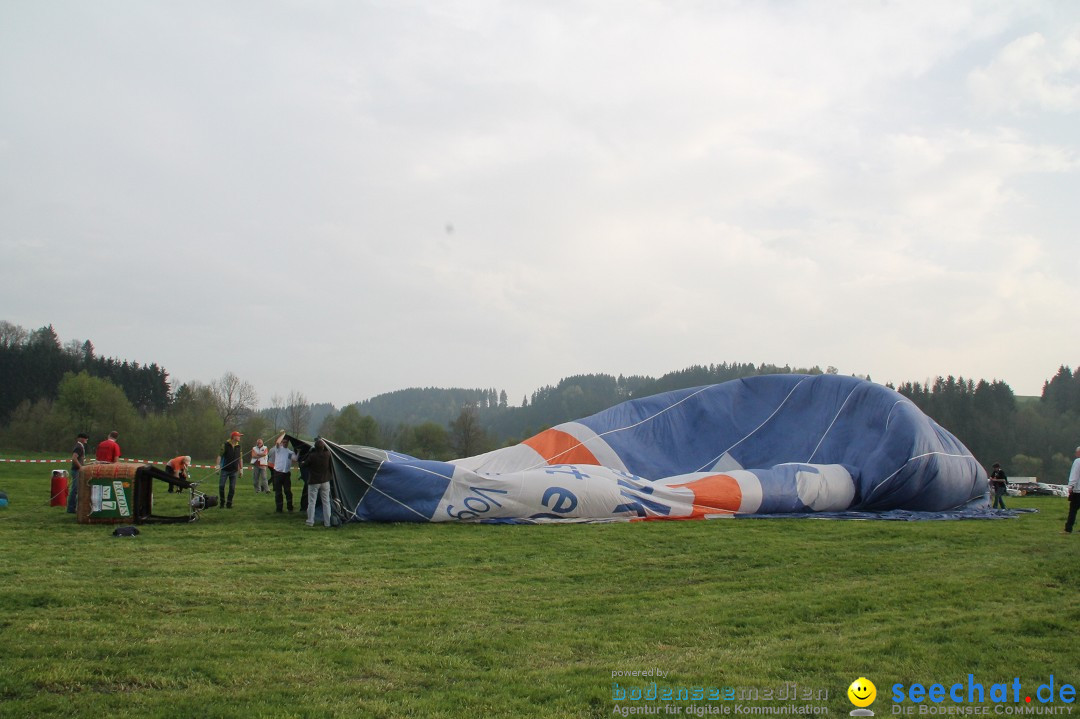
[(232, 466), (320, 471), (999, 485), (78, 458)]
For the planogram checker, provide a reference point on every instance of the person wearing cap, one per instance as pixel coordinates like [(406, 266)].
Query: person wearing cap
[(1074, 493), (78, 458), (998, 482), (232, 465)]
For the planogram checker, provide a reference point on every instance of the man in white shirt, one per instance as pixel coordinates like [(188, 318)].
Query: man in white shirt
[(1074, 493), (258, 466), (281, 462)]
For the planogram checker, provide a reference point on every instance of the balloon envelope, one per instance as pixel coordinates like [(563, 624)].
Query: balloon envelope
[(789, 444)]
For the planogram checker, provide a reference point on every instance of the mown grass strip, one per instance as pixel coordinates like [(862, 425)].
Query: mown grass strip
[(248, 613)]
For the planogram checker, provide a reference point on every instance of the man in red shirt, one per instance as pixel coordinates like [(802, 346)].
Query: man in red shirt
[(109, 450)]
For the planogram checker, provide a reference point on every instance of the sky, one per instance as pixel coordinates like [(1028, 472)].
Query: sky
[(349, 198)]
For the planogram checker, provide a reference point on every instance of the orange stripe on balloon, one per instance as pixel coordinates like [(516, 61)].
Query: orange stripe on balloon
[(558, 447), (717, 492)]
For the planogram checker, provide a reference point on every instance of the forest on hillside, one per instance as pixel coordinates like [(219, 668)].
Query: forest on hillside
[(52, 390)]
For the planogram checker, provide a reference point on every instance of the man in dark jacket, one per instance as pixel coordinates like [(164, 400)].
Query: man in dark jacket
[(232, 465), (998, 483), (317, 463), (78, 459)]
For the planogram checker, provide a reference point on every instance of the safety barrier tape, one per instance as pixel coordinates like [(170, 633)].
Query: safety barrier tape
[(122, 459), (35, 461)]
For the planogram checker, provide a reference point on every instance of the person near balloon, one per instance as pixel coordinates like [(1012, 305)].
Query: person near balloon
[(281, 462), (998, 483), (317, 463)]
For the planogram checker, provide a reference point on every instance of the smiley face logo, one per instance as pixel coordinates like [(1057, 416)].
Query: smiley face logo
[(862, 692)]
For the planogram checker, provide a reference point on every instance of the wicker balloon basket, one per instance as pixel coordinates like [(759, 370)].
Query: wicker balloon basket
[(124, 494), (107, 493)]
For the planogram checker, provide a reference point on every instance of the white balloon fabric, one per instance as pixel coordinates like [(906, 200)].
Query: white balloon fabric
[(775, 444)]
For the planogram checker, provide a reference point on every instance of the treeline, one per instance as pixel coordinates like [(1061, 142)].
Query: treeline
[(51, 391), (981, 414), (1030, 438), (194, 422), (32, 363), (416, 405), (434, 423), (572, 398)]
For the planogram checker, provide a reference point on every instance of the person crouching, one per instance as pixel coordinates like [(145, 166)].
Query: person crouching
[(178, 467)]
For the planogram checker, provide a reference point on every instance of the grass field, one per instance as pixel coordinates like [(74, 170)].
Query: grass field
[(248, 613)]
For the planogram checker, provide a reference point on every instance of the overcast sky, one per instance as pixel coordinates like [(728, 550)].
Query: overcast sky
[(348, 198)]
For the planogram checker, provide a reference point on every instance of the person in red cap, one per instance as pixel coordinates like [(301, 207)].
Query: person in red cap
[(232, 466)]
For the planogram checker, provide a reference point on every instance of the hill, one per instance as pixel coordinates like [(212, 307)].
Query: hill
[(573, 397)]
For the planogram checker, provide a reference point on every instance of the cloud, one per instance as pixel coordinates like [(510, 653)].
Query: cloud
[(1033, 72), (633, 188)]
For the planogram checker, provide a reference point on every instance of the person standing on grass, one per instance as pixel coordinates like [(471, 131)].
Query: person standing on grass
[(232, 466), (109, 449), (998, 483), (304, 472), (1074, 493), (258, 466), (78, 458), (281, 460), (317, 463)]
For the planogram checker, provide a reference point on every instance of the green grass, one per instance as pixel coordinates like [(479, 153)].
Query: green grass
[(248, 613)]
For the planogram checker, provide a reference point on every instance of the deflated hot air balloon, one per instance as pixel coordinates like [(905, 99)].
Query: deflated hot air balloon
[(776, 444)]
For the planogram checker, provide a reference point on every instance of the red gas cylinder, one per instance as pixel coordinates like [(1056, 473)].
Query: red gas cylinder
[(59, 488)]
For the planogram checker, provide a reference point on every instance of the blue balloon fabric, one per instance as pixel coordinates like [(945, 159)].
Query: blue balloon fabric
[(776, 444)]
